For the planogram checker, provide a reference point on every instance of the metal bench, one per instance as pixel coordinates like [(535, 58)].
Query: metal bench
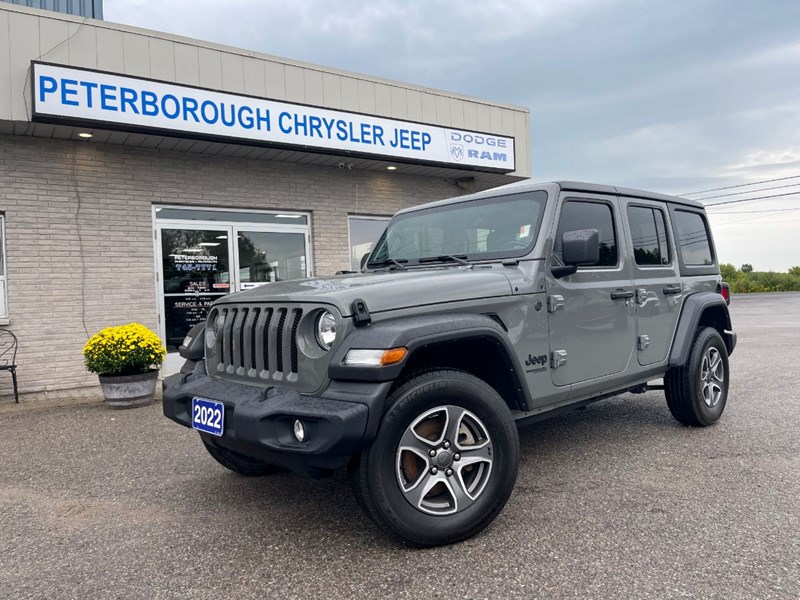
[(8, 357)]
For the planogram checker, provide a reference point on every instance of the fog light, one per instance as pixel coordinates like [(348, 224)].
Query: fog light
[(299, 430)]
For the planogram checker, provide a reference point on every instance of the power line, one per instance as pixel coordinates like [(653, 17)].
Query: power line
[(776, 187), (752, 199), (730, 187), (760, 222), (747, 212)]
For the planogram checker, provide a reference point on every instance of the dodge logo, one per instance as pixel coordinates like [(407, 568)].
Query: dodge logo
[(457, 151)]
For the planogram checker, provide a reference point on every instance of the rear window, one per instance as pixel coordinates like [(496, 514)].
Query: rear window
[(649, 236), (692, 235)]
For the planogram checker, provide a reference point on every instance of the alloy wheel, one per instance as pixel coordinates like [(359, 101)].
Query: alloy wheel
[(444, 460)]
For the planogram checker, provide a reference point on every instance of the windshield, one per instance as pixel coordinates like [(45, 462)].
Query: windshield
[(491, 228)]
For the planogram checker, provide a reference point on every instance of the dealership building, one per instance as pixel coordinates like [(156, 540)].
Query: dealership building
[(143, 175)]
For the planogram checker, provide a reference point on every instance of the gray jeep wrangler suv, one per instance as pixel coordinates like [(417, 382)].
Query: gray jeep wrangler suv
[(471, 316)]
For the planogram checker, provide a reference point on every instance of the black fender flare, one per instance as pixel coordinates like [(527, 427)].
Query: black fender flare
[(693, 308), (417, 332)]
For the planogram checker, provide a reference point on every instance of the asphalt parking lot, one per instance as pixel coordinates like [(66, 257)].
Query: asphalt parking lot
[(614, 501)]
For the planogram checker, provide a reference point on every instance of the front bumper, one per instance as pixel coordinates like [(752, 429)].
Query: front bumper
[(258, 421)]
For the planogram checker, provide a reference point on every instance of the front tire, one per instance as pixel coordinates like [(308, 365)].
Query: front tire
[(239, 463), (698, 391), (444, 461)]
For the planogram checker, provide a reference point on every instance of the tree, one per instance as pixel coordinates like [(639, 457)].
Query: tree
[(794, 271), (747, 268), (728, 272)]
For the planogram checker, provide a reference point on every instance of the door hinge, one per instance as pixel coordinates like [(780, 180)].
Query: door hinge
[(558, 358), (644, 341), (554, 302)]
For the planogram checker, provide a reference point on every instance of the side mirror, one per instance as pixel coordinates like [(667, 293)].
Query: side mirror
[(364, 260), (579, 247)]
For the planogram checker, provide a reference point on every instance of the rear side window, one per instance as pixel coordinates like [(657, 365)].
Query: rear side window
[(649, 234), (578, 214), (692, 235)]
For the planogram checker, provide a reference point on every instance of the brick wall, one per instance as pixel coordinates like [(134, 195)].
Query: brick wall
[(57, 194)]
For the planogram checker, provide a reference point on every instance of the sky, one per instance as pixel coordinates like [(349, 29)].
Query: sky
[(669, 96)]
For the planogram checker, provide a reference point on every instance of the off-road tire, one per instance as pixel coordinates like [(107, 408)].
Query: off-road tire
[(239, 463), (683, 386), (373, 472)]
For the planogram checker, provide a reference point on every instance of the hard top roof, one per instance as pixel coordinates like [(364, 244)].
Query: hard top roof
[(554, 187)]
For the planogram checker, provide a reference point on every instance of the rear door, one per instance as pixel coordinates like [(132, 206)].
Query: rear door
[(654, 270), (591, 313)]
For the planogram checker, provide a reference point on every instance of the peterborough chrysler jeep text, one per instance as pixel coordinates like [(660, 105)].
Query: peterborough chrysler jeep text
[(471, 316)]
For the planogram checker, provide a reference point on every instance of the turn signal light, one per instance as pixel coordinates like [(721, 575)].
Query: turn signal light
[(374, 358), (393, 356)]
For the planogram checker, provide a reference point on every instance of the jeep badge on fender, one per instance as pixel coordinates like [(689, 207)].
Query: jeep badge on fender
[(415, 373)]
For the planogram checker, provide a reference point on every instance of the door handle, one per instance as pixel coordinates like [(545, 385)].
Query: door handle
[(621, 294), (672, 289)]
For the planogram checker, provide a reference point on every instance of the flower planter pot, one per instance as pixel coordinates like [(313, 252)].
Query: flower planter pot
[(129, 391)]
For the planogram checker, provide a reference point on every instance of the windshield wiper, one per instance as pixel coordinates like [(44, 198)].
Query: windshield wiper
[(446, 258), (389, 262)]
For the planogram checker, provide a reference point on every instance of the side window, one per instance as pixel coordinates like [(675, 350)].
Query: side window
[(3, 311), (579, 214), (364, 232), (649, 235), (692, 238)]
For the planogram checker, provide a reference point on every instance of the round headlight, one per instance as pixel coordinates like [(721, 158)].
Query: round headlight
[(326, 330)]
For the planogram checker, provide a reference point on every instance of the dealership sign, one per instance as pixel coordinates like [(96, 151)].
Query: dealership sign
[(106, 99)]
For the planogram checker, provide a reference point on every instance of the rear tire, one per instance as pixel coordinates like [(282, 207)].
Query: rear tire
[(443, 463), (698, 391), (239, 463)]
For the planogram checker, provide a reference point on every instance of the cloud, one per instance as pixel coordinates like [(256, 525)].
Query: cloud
[(669, 96)]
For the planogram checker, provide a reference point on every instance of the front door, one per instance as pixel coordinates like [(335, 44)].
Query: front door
[(264, 255), (200, 259), (195, 271), (592, 312), (655, 278)]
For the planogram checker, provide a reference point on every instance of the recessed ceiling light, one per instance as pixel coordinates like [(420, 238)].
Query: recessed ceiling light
[(391, 168), (222, 237), (208, 244), (85, 134), (289, 216), (192, 250)]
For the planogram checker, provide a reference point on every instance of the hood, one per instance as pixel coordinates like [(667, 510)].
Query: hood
[(384, 290)]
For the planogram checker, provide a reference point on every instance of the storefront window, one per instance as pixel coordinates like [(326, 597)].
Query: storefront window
[(3, 311), (266, 256), (364, 232), (230, 216)]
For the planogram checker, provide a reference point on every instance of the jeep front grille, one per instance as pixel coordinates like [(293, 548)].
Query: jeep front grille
[(255, 342)]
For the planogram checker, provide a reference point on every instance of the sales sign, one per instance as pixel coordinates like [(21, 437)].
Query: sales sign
[(82, 95)]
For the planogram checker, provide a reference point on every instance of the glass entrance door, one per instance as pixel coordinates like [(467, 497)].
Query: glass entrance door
[(196, 270), (265, 256), (202, 255)]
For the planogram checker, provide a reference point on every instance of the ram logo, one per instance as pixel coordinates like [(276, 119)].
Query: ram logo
[(456, 151)]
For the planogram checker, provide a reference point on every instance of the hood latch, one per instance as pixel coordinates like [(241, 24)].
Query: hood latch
[(360, 312)]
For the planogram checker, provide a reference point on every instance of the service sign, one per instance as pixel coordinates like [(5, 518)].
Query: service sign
[(81, 95)]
